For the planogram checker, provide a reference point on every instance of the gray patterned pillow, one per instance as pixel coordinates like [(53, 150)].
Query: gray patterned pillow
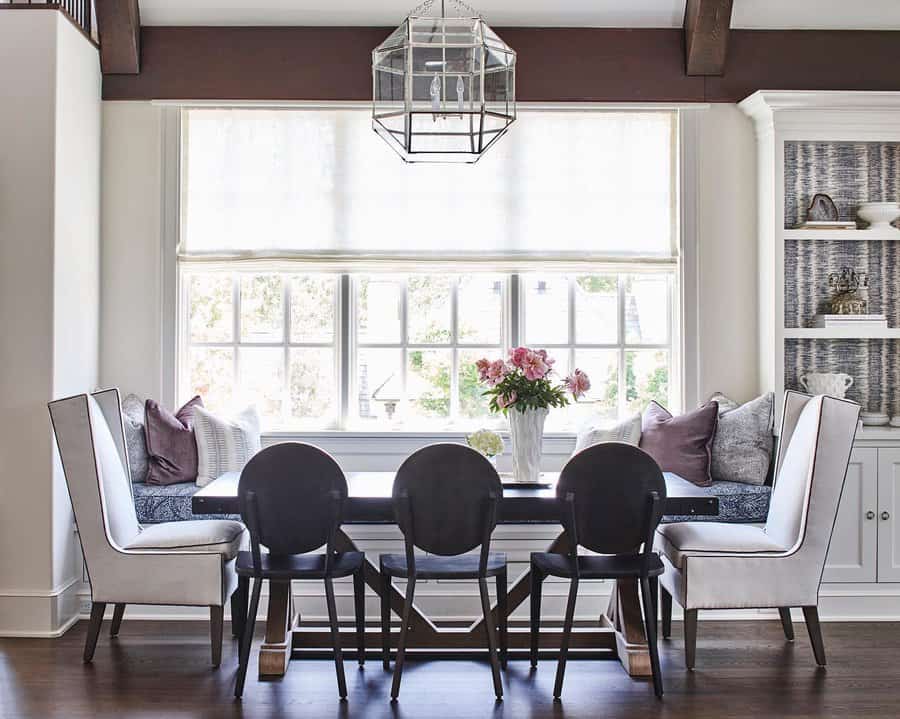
[(135, 441), (742, 448)]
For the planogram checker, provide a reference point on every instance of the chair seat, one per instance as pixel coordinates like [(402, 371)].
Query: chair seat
[(463, 566), (222, 536), (595, 566), (300, 566), (681, 540)]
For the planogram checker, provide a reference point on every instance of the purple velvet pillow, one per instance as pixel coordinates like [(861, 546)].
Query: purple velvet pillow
[(681, 445), (170, 443)]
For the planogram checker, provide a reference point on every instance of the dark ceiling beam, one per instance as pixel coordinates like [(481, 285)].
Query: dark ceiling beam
[(119, 27), (706, 27)]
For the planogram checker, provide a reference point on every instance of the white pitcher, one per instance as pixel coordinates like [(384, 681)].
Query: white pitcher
[(834, 384)]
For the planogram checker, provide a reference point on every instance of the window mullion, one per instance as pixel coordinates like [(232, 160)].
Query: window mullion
[(404, 337), (454, 349), (286, 387), (622, 375), (236, 329), (346, 349)]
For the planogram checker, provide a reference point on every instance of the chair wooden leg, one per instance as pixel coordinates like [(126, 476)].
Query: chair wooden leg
[(239, 608), (567, 635), (491, 635), (404, 630), (665, 602), (359, 603), (537, 584), (502, 616), (385, 619), (786, 624), (118, 613), (335, 637), (811, 617), (654, 599), (247, 639), (216, 627), (96, 621), (650, 627), (690, 637)]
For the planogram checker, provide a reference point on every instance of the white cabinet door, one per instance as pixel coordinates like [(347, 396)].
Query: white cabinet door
[(889, 515), (853, 549)]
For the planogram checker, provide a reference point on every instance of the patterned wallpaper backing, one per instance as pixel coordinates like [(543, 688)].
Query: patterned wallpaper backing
[(873, 364), (807, 264), (849, 172)]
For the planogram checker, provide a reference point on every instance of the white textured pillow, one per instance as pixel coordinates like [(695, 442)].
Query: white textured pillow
[(224, 445), (628, 431)]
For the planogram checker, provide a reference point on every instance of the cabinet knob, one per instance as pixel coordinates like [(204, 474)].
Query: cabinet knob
[(870, 514), (885, 516)]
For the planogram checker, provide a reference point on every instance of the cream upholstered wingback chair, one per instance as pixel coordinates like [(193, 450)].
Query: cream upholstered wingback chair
[(711, 565), (179, 563)]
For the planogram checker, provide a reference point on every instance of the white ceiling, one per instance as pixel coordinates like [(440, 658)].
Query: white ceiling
[(758, 14)]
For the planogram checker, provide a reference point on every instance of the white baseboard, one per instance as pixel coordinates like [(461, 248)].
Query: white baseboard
[(42, 614)]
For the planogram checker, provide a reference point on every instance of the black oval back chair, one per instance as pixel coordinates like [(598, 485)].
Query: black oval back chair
[(291, 499), (611, 497), (445, 499)]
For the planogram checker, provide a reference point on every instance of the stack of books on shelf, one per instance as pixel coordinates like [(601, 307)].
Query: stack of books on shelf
[(826, 225), (856, 321)]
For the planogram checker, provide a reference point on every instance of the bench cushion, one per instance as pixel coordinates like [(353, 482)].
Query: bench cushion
[(168, 503), (738, 502)]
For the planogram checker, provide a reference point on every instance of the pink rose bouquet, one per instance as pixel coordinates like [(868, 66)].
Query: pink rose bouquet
[(523, 381)]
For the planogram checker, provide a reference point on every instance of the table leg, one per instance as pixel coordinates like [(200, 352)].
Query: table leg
[(623, 615), (275, 652)]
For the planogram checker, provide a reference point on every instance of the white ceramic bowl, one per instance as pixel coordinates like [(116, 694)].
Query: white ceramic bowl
[(879, 215)]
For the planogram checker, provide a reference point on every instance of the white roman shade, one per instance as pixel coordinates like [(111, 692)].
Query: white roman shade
[(315, 184)]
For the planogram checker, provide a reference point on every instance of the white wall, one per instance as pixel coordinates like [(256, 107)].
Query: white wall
[(49, 200)]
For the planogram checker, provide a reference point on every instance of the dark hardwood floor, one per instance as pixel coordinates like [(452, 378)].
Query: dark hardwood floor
[(744, 669)]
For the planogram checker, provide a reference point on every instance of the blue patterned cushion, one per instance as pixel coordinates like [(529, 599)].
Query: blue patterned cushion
[(738, 503), (168, 503)]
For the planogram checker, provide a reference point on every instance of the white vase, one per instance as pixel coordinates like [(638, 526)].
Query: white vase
[(527, 432)]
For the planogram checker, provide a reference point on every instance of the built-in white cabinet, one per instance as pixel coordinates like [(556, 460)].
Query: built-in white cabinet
[(853, 552), (865, 545), (889, 515)]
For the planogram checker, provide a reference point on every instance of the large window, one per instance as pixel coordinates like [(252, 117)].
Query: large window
[(336, 288)]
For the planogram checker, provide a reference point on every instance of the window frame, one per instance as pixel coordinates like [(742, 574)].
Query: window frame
[(684, 331)]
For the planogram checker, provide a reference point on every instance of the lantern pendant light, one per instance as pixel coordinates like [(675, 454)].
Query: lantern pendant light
[(443, 86)]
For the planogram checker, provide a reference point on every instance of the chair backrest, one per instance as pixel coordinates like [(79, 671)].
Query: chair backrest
[(613, 483), (814, 450), (297, 489), (91, 448), (441, 494)]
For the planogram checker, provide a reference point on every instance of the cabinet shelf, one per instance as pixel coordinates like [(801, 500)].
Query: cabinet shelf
[(859, 235), (836, 333)]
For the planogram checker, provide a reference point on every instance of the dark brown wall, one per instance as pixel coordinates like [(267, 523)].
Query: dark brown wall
[(555, 64)]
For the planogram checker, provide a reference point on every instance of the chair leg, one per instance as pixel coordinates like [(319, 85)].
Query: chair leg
[(118, 613), (665, 602), (654, 599), (401, 643), (690, 637), (786, 624), (537, 584), (650, 627), (491, 635), (335, 637), (567, 635), (359, 603), (811, 617), (216, 627), (503, 616), (247, 639), (385, 619), (96, 621), (239, 608)]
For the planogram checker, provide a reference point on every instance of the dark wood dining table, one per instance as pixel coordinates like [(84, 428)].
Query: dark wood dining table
[(619, 630)]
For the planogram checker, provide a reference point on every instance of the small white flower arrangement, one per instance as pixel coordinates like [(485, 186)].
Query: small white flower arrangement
[(489, 443)]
